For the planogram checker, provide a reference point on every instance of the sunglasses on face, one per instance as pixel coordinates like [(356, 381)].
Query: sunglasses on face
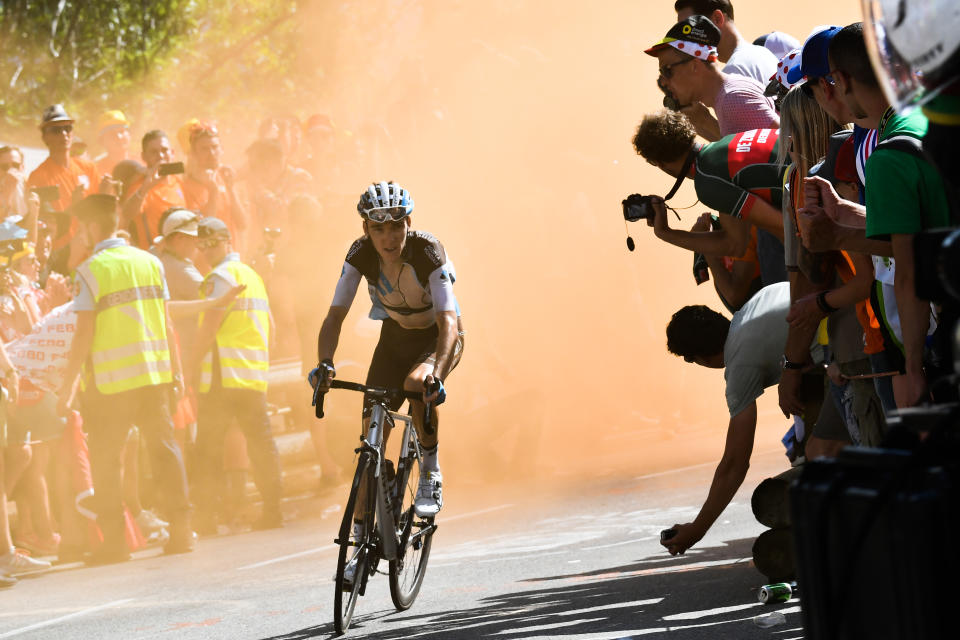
[(57, 130), (667, 70), (386, 214)]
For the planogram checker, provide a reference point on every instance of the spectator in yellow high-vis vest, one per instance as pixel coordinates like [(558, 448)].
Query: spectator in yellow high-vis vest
[(232, 355), (130, 364)]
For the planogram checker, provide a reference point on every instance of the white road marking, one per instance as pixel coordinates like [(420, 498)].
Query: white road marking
[(544, 627), (289, 557), (695, 615), (533, 555), (618, 544), (48, 623), (475, 513), (607, 607)]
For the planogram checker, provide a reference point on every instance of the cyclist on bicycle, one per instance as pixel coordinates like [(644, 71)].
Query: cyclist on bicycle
[(410, 282)]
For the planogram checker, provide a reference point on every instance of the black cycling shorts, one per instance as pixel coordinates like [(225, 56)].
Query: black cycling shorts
[(399, 351)]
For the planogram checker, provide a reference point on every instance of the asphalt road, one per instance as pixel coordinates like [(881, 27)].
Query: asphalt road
[(509, 562)]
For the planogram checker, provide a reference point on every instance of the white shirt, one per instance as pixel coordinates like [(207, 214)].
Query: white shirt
[(752, 61)]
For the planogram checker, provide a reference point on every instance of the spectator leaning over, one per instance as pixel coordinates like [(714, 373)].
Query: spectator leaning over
[(13, 193), (687, 57), (11, 561), (209, 185), (904, 195), (748, 348), (123, 344), (148, 196), (741, 56), (233, 344), (74, 178), (738, 176), (113, 132)]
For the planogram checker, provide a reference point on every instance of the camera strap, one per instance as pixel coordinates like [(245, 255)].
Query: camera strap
[(691, 157)]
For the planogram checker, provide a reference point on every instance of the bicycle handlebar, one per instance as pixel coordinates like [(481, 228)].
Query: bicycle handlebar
[(376, 392)]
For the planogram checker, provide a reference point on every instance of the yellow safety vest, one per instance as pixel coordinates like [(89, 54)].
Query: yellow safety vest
[(244, 335), (130, 348)]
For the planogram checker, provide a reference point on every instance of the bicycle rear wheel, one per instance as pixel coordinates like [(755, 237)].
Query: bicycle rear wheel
[(415, 534), (354, 546)]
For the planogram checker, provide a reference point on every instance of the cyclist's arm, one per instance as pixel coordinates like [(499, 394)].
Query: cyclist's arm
[(342, 299), (445, 307)]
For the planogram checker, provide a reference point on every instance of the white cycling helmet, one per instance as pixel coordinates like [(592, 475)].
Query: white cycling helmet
[(913, 47), (384, 201)]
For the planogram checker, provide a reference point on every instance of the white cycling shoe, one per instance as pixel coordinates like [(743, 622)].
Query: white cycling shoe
[(429, 494)]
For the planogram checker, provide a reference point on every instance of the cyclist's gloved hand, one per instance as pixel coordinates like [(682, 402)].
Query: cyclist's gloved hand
[(435, 390), (322, 373)]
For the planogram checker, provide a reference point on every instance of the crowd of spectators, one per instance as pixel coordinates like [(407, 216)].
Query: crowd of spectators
[(140, 299), (817, 187)]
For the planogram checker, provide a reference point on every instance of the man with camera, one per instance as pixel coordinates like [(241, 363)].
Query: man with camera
[(158, 190), (738, 176)]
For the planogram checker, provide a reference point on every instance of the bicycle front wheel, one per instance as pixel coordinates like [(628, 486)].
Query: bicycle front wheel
[(355, 546), (415, 535)]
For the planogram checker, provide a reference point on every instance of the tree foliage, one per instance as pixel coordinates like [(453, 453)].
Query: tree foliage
[(154, 59)]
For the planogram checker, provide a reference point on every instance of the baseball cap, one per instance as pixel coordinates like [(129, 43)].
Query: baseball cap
[(213, 228), (780, 78), (814, 59), (110, 119), (840, 164), (181, 221), (54, 113), (696, 36)]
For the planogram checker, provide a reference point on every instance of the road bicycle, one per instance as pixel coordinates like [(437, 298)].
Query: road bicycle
[(381, 503)]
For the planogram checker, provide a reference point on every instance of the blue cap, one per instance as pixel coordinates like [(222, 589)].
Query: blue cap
[(814, 58)]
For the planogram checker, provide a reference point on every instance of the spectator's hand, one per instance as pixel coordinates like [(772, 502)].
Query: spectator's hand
[(805, 314), (230, 295), (789, 390), (436, 396), (659, 221), (685, 537), (208, 179), (12, 385), (703, 223), (910, 389), (33, 204), (57, 289), (703, 121), (836, 377), (151, 179), (818, 194), (228, 175), (818, 231), (110, 186)]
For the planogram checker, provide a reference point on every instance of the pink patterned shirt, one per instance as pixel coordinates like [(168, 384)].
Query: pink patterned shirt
[(741, 106)]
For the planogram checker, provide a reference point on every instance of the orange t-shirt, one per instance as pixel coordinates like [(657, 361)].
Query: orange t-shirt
[(67, 178), (167, 193), (197, 197)]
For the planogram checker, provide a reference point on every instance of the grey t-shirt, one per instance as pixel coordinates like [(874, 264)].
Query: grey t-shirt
[(752, 61), (183, 278), (751, 355)]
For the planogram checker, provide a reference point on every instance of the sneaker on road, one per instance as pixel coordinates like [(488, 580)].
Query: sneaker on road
[(15, 564), (36, 546), (349, 573), (429, 494)]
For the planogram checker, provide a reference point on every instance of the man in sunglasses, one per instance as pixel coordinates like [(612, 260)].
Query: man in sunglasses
[(410, 281), (687, 57), (75, 177)]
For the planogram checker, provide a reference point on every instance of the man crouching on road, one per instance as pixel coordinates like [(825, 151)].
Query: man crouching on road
[(750, 350)]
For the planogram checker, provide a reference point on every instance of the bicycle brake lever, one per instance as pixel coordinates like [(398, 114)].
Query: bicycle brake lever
[(318, 400)]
